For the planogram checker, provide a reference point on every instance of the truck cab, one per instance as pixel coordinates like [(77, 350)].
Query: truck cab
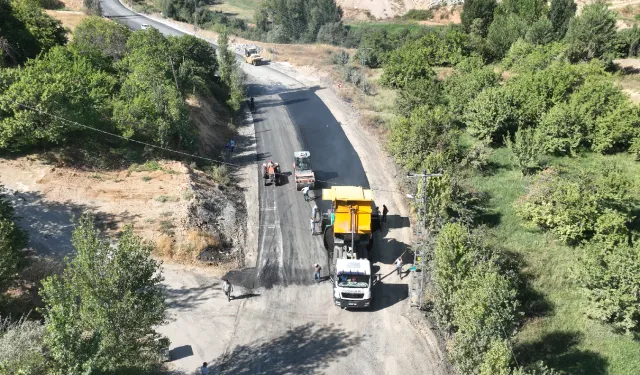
[(352, 283)]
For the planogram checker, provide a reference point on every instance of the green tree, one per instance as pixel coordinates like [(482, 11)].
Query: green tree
[(571, 206), (96, 35), (421, 92), (593, 33), (465, 84), (12, 241), (47, 30), (482, 10), (527, 10), (485, 311), (230, 72), (491, 114), (497, 360), (540, 32), (560, 14), (426, 131), (561, 130), (503, 32), (628, 41), (610, 280), (59, 83), (149, 105), (100, 314)]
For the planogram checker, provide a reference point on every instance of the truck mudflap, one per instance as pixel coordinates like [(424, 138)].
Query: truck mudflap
[(352, 303)]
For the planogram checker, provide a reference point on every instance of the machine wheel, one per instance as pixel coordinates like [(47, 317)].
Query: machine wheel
[(298, 186), (254, 63)]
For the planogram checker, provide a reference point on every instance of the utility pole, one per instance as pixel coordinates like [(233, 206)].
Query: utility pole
[(421, 245)]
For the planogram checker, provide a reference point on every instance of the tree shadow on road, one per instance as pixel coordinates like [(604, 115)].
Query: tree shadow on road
[(306, 349), (189, 298)]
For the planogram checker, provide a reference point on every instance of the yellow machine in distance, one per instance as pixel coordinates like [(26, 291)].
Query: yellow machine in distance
[(348, 222)]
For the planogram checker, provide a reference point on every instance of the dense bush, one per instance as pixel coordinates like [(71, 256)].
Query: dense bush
[(354, 75), (340, 58), (491, 115), (628, 41), (572, 206), (421, 92), (610, 278), (94, 36), (485, 312), (12, 241), (561, 130), (527, 149), (540, 32), (526, 57), (528, 10), (418, 14), (615, 130)]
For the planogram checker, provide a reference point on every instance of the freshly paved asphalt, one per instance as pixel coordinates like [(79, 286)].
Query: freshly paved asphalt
[(289, 117)]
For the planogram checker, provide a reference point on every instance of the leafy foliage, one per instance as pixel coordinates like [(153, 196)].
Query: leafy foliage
[(503, 32), (571, 207), (592, 34), (231, 74), (60, 83), (21, 347), (560, 14), (26, 31), (412, 61), (610, 278), (101, 313), (526, 148), (465, 84), (423, 92), (12, 240), (96, 35), (540, 32), (298, 20), (482, 10), (528, 10)]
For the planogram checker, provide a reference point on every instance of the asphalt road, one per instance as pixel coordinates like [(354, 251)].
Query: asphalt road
[(289, 117)]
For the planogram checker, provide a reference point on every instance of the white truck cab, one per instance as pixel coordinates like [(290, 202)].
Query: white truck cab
[(352, 283)]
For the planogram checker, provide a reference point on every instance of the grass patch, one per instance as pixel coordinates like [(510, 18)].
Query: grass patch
[(243, 9), (167, 198), (388, 26), (149, 166), (218, 173), (557, 329), (146, 178), (166, 227)]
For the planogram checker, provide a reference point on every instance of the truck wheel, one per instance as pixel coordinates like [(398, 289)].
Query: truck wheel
[(254, 63), (298, 186)]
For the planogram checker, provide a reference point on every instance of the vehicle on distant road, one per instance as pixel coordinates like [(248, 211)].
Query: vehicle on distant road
[(144, 26), (251, 56), (302, 171)]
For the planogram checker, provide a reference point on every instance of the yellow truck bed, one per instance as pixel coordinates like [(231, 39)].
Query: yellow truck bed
[(345, 198)]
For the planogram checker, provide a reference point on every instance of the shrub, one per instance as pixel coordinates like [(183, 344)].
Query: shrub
[(615, 130), (418, 14), (22, 347), (340, 58), (571, 207), (528, 10), (332, 33), (527, 149), (464, 85), (12, 241), (354, 75), (497, 359), (426, 131), (525, 57), (561, 130), (610, 279), (628, 41), (219, 174), (503, 32), (423, 92), (491, 114)]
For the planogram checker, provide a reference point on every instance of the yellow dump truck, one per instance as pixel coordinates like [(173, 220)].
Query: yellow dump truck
[(347, 225)]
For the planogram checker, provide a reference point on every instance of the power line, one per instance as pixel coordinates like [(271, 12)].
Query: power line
[(119, 136)]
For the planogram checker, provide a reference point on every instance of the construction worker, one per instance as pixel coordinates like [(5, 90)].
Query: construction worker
[(399, 266), (252, 105), (313, 226), (316, 273), (305, 192), (227, 288), (314, 211)]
